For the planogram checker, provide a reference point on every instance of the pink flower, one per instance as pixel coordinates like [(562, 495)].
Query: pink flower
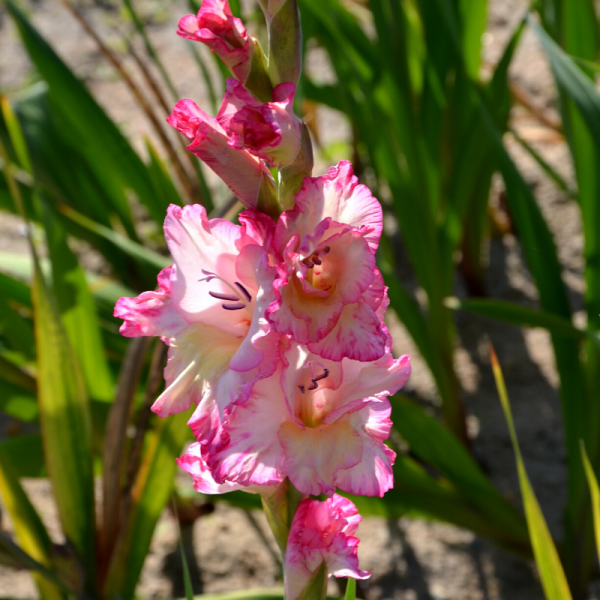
[(223, 33), (322, 533), (269, 130), (329, 290), (210, 310), (320, 423), (245, 174)]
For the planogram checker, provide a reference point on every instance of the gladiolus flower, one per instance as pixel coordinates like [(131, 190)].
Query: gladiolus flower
[(245, 174), (224, 34), (329, 290), (269, 130), (320, 423), (210, 311), (322, 533)]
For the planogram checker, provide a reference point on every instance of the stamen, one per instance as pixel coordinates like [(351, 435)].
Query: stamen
[(327, 249), (219, 296), (310, 266), (323, 375), (302, 388), (244, 291), (237, 306), (313, 386), (316, 261)]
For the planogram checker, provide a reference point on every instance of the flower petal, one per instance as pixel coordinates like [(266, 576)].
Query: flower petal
[(198, 356), (373, 475), (313, 456), (357, 334), (253, 454), (151, 313)]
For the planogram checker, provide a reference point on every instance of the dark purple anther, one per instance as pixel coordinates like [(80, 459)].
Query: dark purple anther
[(322, 375), (244, 291), (316, 261), (219, 296), (313, 386), (236, 306), (326, 250), (302, 389)]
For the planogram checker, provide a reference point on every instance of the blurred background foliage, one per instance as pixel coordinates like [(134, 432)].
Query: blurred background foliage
[(427, 137)]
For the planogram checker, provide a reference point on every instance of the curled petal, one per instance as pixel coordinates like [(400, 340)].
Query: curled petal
[(151, 313), (373, 475)]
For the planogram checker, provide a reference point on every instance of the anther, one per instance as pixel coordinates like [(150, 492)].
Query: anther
[(314, 385), (327, 249), (236, 306), (302, 388), (323, 375), (244, 291), (219, 296)]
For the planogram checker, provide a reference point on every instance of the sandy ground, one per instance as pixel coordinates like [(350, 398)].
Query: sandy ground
[(409, 559)]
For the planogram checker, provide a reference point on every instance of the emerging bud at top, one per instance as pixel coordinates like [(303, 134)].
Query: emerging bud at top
[(285, 40), (268, 130), (223, 33)]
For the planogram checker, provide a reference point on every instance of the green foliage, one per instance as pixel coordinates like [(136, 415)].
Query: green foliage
[(549, 566)]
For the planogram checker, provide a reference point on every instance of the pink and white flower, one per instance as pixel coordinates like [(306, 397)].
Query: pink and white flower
[(322, 533), (329, 289), (246, 175), (268, 130), (210, 311), (321, 423), (224, 34)]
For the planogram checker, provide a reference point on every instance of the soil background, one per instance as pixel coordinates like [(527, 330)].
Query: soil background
[(410, 559)]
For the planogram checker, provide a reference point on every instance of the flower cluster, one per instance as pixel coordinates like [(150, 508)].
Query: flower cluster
[(275, 325)]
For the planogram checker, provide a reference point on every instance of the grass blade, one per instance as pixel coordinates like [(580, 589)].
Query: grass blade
[(549, 566), (28, 526), (594, 493), (150, 494)]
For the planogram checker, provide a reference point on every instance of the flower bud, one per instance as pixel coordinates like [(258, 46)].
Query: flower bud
[(243, 173), (268, 130)]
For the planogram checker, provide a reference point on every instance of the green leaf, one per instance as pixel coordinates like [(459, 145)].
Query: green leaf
[(18, 402), (25, 454), (257, 594), (434, 444), (77, 311), (97, 137), (150, 494), (66, 428), (28, 526), (549, 566), (594, 493), (522, 315)]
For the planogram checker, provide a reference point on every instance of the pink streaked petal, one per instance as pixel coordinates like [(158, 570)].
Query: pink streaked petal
[(193, 463), (187, 116), (378, 379), (357, 334), (253, 454), (198, 355), (338, 196), (376, 294), (313, 456), (373, 475), (151, 313), (257, 225), (235, 98), (244, 174)]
